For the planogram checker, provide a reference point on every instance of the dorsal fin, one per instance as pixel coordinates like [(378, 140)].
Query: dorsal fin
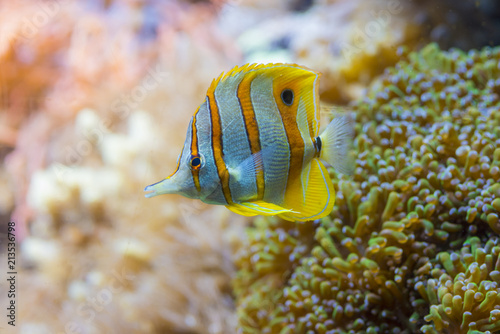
[(302, 81), (286, 72), (256, 66)]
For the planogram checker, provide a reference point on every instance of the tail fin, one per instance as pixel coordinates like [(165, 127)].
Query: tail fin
[(336, 141)]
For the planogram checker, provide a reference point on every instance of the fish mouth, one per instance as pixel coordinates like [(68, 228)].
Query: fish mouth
[(152, 192)]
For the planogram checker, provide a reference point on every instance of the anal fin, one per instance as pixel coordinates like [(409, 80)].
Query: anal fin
[(310, 197), (257, 208)]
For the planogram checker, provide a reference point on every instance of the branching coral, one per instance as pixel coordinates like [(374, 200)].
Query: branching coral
[(411, 245)]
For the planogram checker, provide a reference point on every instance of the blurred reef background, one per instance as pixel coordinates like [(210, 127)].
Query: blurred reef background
[(95, 98)]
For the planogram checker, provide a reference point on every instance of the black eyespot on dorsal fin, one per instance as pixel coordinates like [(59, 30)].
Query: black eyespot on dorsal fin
[(287, 96)]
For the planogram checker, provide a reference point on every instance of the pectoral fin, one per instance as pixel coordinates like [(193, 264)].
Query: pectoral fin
[(257, 208), (251, 166)]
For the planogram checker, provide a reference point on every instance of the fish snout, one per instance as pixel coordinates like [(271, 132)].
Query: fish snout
[(165, 186)]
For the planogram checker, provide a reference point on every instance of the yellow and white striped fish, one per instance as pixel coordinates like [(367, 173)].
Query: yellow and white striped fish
[(254, 145)]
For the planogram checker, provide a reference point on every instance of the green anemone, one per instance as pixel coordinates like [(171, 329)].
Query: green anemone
[(412, 243)]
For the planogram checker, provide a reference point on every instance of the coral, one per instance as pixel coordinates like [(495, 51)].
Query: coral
[(110, 118), (53, 56), (412, 243), (464, 291), (349, 42), (352, 42)]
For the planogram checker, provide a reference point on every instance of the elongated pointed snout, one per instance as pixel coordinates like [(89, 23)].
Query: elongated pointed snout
[(165, 186), (179, 183)]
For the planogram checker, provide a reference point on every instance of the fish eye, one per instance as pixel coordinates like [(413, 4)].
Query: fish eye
[(287, 97), (196, 162)]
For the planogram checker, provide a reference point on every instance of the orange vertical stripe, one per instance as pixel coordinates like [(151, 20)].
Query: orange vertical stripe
[(177, 167), (194, 152), (252, 129), (289, 118), (217, 142)]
